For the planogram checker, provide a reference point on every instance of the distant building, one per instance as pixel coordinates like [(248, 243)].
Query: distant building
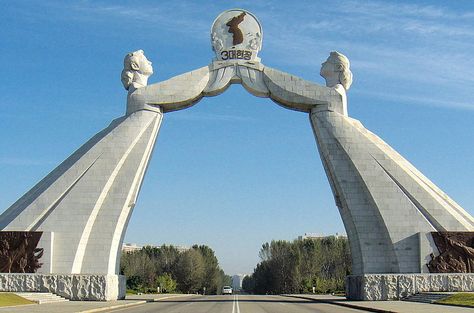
[(319, 236), (181, 249), (132, 247), (237, 281)]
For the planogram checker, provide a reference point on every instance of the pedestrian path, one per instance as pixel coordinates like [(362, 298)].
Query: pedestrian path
[(87, 306), (70, 306)]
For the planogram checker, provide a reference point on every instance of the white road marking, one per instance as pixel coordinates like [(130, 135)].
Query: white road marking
[(235, 305), (238, 307)]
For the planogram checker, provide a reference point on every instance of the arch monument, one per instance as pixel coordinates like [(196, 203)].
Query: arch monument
[(405, 234)]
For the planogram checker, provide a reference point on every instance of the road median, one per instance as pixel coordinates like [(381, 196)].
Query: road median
[(396, 306), (336, 301)]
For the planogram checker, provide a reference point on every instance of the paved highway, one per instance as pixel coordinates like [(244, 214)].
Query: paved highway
[(236, 304)]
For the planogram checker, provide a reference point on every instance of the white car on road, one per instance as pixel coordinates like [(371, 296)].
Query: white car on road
[(227, 290)]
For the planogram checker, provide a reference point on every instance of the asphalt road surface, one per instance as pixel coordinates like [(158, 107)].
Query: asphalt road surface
[(236, 304)]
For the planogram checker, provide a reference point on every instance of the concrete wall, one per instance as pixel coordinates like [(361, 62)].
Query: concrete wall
[(375, 287), (73, 287)]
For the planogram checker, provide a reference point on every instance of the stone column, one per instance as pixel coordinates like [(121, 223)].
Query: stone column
[(383, 200), (88, 199)]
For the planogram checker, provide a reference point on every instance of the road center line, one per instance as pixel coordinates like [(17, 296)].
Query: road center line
[(237, 303)]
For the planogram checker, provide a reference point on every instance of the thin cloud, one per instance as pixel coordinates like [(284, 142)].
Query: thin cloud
[(174, 16), (421, 100), (385, 8), (427, 47)]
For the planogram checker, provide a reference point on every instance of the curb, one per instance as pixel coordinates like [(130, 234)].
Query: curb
[(114, 307), (170, 297), (457, 305), (16, 306), (347, 305)]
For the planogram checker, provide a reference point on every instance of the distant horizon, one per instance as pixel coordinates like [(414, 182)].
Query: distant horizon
[(236, 171)]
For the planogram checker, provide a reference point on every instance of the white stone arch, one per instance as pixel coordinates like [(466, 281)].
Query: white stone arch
[(87, 200)]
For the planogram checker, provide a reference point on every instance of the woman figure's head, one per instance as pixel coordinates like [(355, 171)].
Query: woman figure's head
[(336, 70), (136, 70)]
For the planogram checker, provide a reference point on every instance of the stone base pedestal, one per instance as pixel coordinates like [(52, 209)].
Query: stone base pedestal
[(375, 287), (95, 287)]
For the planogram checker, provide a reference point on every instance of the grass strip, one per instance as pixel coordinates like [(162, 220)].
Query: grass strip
[(9, 299), (465, 299)]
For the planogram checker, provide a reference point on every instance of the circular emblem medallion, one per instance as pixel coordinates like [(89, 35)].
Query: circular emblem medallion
[(236, 35)]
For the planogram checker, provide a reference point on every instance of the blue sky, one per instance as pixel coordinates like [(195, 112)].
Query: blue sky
[(235, 171)]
